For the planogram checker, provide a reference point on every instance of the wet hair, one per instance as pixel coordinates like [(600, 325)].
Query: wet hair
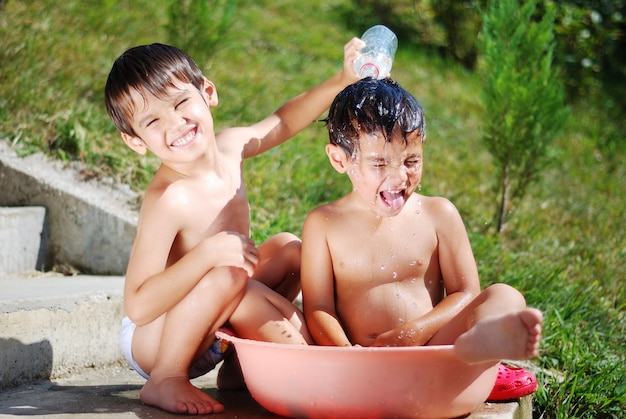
[(372, 106), (146, 69)]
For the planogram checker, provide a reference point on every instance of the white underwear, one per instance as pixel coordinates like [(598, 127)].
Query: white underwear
[(206, 363)]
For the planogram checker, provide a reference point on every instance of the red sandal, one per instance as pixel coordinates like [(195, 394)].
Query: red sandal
[(512, 383)]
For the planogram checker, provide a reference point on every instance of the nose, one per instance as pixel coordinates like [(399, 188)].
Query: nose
[(397, 172), (175, 121)]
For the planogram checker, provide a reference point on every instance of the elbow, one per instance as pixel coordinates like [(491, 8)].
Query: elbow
[(133, 315), (137, 315)]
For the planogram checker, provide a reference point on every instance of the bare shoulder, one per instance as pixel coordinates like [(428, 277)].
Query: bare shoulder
[(444, 215), (439, 206), (325, 218), (233, 139), (240, 141), (332, 210), (165, 200), (319, 215)]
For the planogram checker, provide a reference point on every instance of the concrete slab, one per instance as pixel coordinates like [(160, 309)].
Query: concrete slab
[(110, 393), (53, 325), (21, 231), (91, 223), (114, 392)]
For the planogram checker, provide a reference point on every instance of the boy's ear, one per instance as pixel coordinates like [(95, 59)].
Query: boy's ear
[(337, 157), (208, 88), (135, 143)]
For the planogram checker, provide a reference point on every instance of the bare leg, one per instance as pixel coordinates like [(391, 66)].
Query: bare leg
[(499, 326), (262, 315), (266, 315), (495, 325), (279, 267), (167, 347), (230, 376)]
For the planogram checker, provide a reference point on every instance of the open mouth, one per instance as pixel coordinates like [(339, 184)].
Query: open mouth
[(393, 199), (186, 139)]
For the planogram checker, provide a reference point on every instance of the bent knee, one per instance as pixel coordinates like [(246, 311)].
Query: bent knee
[(285, 238), (293, 251), (505, 292), (288, 251), (225, 279)]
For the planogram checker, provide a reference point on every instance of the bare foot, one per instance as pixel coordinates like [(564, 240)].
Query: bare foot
[(514, 336), (178, 395)]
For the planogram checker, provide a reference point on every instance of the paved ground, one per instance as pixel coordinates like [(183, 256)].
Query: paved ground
[(114, 393), (110, 393)]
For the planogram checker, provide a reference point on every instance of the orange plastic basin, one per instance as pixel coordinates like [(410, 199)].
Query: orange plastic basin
[(325, 382)]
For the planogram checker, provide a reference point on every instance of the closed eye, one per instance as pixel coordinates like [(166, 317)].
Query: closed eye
[(180, 103)]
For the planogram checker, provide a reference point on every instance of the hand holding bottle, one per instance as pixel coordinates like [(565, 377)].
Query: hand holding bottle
[(376, 57)]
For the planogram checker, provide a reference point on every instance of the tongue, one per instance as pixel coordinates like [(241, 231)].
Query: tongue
[(394, 199)]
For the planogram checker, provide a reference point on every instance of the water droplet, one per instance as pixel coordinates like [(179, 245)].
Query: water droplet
[(395, 275), (382, 267)]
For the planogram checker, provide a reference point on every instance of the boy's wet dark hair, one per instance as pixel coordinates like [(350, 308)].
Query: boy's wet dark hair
[(146, 69), (373, 106)]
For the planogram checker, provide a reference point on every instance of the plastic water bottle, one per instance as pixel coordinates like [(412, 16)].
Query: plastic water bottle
[(376, 57)]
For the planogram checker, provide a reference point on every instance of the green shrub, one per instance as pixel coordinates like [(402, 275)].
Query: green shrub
[(523, 96)]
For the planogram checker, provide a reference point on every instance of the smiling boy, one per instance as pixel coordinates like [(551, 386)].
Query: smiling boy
[(193, 267)]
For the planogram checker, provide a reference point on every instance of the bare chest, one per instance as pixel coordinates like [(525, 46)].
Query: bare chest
[(379, 256), (212, 208)]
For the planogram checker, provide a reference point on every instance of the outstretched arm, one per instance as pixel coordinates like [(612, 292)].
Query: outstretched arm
[(302, 110), (318, 284)]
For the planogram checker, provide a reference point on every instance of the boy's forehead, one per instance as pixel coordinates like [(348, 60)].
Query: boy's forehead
[(376, 144), (143, 100)]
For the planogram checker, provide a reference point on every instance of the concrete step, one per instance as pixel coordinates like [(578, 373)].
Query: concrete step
[(53, 325), (21, 231), (90, 224)]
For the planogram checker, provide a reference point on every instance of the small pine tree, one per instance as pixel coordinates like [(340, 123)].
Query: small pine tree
[(523, 97)]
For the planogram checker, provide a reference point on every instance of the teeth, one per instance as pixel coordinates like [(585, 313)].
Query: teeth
[(184, 140)]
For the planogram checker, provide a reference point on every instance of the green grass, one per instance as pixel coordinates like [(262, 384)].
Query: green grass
[(564, 245)]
